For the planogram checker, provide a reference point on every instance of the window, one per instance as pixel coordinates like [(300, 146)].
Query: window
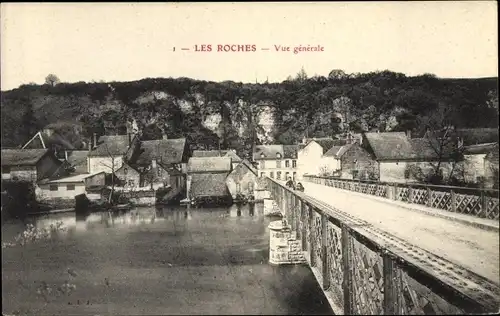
[(131, 183), (262, 174), (70, 187), (294, 175), (125, 171), (278, 175), (159, 172), (271, 174), (294, 163), (278, 155), (262, 164), (53, 187), (278, 163), (5, 169), (287, 175), (287, 163)]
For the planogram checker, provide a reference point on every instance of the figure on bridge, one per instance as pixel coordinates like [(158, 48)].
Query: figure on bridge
[(290, 183), (300, 187)]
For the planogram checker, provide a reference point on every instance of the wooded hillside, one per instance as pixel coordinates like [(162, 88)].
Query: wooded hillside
[(238, 114)]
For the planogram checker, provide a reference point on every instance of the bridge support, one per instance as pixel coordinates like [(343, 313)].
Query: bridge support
[(284, 247)]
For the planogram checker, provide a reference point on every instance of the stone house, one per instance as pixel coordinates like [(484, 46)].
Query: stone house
[(398, 156), (161, 162), (242, 179), (207, 177), (276, 161), (30, 164), (107, 152), (310, 153), (128, 177), (479, 162), (351, 161)]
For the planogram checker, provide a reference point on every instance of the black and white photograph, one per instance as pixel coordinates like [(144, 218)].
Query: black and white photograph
[(250, 158)]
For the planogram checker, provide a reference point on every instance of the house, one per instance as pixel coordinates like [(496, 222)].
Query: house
[(235, 159), (48, 138), (475, 136), (128, 177), (65, 189), (108, 151), (160, 162), (276, 161), (350, 161), (242, 180), (309, 157), (396, 154), (30, 164), (207, 177), (476, 164)]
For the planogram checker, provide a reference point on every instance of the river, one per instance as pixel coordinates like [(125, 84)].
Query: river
[(154, 261)]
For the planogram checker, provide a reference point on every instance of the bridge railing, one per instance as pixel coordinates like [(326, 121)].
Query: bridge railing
[(365, 271), (483, 203)]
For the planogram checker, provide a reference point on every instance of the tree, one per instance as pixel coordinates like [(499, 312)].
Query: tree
[(52, 80), (301, 75), (337, 74)]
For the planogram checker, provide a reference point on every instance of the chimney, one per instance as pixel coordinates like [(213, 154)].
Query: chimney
[(90, 144), (153, 163), (408, 133), (94, 144), (66, 155)]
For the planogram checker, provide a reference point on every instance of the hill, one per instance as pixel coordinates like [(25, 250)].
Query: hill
[(239, 114)]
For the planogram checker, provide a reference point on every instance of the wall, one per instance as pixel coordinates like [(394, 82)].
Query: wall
[(43, 191), (329, 165), (356, 158), (27, 173), (98, 179), (473, 167), (241, 180), (98, 164), (309, 160), (491, 173), (392, 171), (131, 175)]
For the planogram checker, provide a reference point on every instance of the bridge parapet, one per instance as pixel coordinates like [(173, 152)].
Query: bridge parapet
[(364, 270), (483, 203)]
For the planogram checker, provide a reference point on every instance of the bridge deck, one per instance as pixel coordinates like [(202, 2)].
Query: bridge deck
[(471, 247)]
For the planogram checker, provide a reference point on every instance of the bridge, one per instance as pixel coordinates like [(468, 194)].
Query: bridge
[(379, 248)]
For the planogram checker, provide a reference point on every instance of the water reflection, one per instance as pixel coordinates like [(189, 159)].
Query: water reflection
[(143, 216)]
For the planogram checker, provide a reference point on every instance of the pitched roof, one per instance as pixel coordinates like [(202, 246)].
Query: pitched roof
[(249, 165), (290, 151), (166, 151), (44, 139), (242, 168), (209, 164), (78, 160), (390, 145), (116, 144), (22, 157), (208, 184), (326, 143), (217, 153), (480, 149), (473, 136), (428, 148), (267, 151)]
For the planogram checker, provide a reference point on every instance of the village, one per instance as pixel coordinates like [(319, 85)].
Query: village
[(166, 171)]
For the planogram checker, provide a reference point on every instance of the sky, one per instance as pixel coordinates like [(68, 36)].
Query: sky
[(126, 42)]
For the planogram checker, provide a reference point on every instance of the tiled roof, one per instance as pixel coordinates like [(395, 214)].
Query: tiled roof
[(217, 153), (473, 136), (209, 184), (116, 145), (325, 143), (390, 145), (209, 164), (166, 151), (78, 160), (480, 149), (22, 157), (267, 151)]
